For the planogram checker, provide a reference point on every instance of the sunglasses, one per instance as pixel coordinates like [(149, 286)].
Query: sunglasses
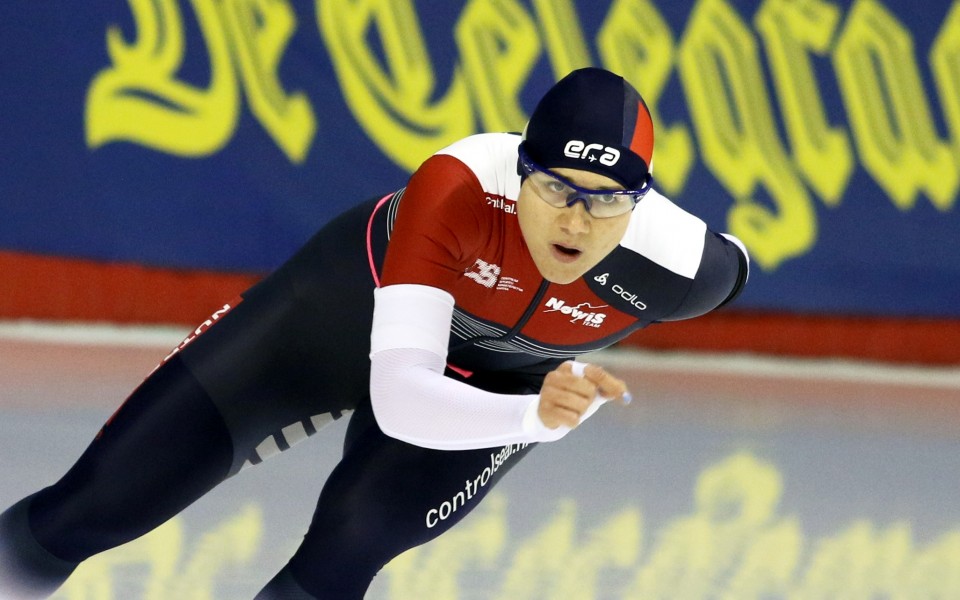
[(560, 193)]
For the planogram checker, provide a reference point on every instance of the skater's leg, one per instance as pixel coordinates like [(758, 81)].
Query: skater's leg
[(384, 497), (269, 371), (164, 448)]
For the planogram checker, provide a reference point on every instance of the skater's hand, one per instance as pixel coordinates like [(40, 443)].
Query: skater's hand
[(566, 395)]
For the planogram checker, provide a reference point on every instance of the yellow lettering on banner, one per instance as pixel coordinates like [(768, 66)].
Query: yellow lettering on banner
[(157, 553), (139, 99), (261, 30), (499, 46), (540, 558), (735, 501), (935, 571), (945, 63), (790, 29), (392, 101), (889, 113), (614, 545), (733, 546), (859, 563), (636, 42), (725, 90), (768, 565), (566, 44), (431, 572), (234, 543), (153, 563), (555, 564)]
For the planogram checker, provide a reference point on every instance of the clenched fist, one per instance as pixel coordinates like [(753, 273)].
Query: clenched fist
[(569, 391)]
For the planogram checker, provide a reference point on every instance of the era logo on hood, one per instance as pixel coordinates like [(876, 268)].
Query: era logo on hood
[(579, 149)]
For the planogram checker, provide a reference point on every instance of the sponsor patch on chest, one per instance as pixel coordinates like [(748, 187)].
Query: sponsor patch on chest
[(582, 313), (489, 276)]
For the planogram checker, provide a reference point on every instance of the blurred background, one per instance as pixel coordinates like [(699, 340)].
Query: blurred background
[(159, 157)]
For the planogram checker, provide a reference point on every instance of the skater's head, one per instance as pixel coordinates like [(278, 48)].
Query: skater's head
[(593, 120), (585, 159)]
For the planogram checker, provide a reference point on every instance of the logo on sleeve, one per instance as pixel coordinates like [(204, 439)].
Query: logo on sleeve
[(583, 313), (484, 273), (501, 203), (630, 297), (488, 275), (625, 294)]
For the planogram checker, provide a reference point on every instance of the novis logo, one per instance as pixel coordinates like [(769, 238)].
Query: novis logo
[(582, 313), (579, 149)]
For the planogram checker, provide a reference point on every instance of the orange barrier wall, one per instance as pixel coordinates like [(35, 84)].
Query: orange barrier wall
[(886, 339), (48, 288), (38, 287)]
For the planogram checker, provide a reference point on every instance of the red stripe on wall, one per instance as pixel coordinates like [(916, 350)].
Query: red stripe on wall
[(53, 288), (886, 339), (38, 287)]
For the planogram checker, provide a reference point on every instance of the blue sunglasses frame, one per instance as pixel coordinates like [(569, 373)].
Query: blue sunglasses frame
[(580, 194)]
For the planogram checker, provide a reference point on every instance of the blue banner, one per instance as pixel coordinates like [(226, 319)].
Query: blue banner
[(219, 134)]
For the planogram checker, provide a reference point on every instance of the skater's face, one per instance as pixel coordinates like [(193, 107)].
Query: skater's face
[(567, 241)]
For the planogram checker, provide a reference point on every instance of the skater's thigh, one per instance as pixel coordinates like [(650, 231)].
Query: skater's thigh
[(291, 355)]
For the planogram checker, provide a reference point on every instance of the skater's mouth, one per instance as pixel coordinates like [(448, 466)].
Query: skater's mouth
[(564, 253)]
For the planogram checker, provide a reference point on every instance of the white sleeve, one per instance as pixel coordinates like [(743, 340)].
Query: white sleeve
[(414, 402)]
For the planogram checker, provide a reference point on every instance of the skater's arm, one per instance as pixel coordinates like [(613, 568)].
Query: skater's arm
[(413, 400)]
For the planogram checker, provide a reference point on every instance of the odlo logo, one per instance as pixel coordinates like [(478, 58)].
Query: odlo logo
[(579, 149), (579, 313)]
